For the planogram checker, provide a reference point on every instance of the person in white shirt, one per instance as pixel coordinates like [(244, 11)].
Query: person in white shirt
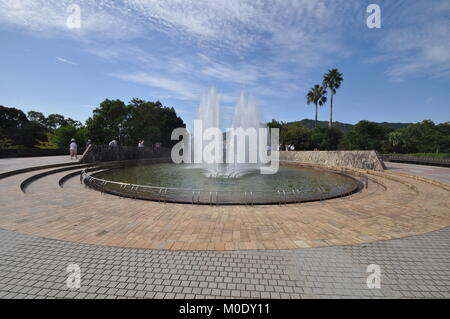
[(113, 144), (141, 143), (73, 149)]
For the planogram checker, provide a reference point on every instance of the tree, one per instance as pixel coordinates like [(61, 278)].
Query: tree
[(317, 96), (130, 123), (70, 122), (6, 143), (424, 137), (326, 138), (365, 135), (53, 121), (36, 117), (15, 127), (62, 136), (275, 124), (396, 141), (332, 81), (11, 121), (296, 135), (443, 130), (140, 119), (32, 132), (107, 121), (151, 121)]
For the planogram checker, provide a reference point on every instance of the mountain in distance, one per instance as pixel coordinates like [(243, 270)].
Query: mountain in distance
[(344, 127)]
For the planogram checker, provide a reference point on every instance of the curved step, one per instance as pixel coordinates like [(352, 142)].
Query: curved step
[(65, 178), (33, 178), (36, 168), (79, 214)]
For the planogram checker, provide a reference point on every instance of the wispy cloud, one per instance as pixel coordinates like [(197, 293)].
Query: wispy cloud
[(48, 18), (416, 40), (65, 61), (177, 89), (234, 25), (268, 47), (215, 41)]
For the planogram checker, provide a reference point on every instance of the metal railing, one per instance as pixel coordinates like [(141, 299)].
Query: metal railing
[(416, 159), (224, 197), (104, 153)]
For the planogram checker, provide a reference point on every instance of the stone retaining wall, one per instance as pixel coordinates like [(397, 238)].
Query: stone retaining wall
[(351, 159)]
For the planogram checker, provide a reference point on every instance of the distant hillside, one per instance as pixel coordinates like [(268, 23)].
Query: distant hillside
[(344, 127), (310, 124)]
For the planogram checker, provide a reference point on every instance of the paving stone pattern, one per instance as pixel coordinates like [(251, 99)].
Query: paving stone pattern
[(411, 267), (414, 267)]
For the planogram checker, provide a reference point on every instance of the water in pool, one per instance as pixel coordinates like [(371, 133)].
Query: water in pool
[(185, 182)]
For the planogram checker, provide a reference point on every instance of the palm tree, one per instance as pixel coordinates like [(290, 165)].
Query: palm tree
[(332, 80), (317, 96)]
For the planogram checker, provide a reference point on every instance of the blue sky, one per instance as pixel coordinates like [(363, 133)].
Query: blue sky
[(174, 51)]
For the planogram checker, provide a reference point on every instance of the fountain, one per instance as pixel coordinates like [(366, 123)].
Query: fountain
[(247, 115), (225, 172), (209, 117), (247, 118)]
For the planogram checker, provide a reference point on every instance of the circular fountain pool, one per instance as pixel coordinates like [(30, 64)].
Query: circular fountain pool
[(187, 184)]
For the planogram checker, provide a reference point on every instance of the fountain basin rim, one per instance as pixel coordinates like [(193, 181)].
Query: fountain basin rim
[(135, 191)]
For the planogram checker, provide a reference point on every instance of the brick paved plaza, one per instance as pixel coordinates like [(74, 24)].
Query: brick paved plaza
[(130, 248)]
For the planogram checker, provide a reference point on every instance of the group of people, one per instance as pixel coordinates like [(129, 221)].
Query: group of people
[(290, 147), (287, 147), (112, 145)]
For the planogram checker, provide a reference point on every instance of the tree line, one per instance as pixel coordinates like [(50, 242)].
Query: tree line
[(153, 122), (421, 137), (112, 119)]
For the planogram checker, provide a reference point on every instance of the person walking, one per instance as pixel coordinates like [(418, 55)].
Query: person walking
[(140, 149), (113, 144), (73, 149), (113, 150)]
